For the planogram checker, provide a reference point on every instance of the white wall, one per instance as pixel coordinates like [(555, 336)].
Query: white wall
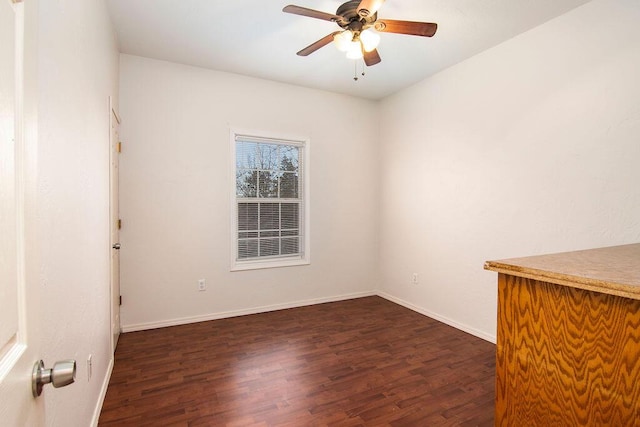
[(76, 72), (175, 192), (530, 147)]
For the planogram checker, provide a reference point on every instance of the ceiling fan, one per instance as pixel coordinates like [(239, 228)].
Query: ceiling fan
[(356, 18)]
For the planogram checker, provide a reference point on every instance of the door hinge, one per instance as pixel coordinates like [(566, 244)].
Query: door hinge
[(119, 224), (119, 147), (120, 300)]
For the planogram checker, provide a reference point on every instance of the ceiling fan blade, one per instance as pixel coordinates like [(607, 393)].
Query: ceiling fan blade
[(369, 7), (371, 58), (317, 45), (424, 29), (298, 10)]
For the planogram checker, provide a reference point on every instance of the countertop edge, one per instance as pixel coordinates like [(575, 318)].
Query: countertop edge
[(565, 280)]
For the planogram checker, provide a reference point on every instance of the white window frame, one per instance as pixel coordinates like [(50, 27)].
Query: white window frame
[(304, 258)]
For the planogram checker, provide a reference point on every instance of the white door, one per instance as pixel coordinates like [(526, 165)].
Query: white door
[(115, 228), (18, 312)]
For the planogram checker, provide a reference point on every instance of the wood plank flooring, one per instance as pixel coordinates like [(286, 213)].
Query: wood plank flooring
[(361, 362)]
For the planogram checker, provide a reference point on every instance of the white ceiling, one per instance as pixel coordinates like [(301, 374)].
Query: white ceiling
[(255, 38)]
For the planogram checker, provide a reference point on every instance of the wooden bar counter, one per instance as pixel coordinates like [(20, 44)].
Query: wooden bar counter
[(568, 339)]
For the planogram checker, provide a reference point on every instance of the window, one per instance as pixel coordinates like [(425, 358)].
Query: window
[(270, 208)]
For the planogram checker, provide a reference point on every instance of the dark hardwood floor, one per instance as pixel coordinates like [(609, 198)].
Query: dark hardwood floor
[(361, 362)]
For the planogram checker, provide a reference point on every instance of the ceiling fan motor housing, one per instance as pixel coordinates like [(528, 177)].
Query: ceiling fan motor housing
[(351, 20)]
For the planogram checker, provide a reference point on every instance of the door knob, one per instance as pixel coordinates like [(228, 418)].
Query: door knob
[(116, 246), (62, 374)]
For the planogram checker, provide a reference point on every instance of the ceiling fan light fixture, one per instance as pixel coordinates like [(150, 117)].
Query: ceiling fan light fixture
[(370, 40), (342, 40), (355, 50)]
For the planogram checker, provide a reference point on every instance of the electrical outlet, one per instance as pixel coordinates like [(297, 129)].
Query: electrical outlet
[(89, 367), (202, 285), (414, 278)]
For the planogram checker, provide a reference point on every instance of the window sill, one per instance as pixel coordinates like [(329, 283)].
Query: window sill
[(271, 263)]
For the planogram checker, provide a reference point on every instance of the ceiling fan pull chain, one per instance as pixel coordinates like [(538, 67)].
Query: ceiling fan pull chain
[(355, 70)]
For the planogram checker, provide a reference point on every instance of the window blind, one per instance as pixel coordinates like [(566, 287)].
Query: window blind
[(269, 199)]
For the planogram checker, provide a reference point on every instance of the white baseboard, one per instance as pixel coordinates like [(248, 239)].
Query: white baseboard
[(438, 317), (103, 394), (244, 312), (265, 309)]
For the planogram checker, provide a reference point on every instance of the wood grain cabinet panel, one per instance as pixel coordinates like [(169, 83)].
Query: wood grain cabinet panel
[(566, 355)]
